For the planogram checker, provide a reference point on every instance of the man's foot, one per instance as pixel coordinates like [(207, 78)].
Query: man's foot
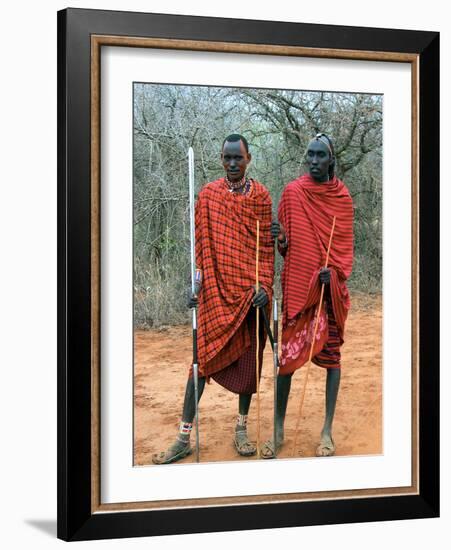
[(242, 444), (326, 446), (177, 451), (267, 449)]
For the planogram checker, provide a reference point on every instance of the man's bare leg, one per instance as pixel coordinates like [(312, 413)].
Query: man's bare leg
[(327, 446), (243, 446), (181, 447), (283, 392)]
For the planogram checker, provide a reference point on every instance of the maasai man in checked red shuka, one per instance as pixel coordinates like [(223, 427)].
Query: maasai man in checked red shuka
[(226, 217), (306, 211)]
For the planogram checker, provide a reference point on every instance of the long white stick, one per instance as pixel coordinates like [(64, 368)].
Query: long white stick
[(193, 275)]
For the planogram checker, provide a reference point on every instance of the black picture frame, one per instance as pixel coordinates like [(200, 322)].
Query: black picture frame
[(76, 518)]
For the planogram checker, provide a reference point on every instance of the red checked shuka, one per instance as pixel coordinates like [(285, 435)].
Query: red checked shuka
[(226, 233)]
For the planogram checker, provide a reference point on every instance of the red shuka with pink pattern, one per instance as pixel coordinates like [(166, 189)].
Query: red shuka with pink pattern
[(306, 211)]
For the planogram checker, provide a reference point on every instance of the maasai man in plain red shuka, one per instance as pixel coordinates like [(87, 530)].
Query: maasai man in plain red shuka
[(226, 217), (306, 212)]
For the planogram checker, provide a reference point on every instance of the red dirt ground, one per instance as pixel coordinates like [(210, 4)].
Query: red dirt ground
[(162, 358)]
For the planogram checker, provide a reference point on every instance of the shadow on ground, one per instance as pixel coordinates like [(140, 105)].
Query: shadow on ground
[(47, 526)]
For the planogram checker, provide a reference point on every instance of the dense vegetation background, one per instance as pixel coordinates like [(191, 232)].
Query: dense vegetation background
[(278, 124)]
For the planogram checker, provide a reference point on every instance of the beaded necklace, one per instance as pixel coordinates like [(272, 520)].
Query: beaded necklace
[(236, 186)]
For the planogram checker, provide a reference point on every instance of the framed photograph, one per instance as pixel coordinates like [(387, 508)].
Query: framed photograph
[(156, 113)]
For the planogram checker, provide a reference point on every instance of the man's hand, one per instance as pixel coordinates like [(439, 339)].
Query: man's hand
[(324, 276), (193, 300), (277, 231), (260, 299)]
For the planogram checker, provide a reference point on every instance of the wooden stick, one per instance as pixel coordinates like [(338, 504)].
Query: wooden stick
[(257, 325), (301, 403)]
